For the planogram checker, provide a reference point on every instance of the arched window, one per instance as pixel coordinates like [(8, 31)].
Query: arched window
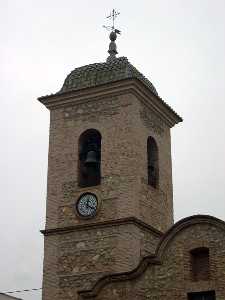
[(153, 163), (89, 165), (200, 263)]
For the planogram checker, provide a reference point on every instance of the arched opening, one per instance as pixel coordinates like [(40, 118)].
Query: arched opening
[(200, 263), (89, 165), (153, 163), (210, 295)]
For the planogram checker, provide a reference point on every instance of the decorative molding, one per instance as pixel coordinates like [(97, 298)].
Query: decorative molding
[(117, 222), (120, 87)]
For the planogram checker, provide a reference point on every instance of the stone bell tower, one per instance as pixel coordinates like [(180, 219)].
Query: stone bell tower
[(109, 195)]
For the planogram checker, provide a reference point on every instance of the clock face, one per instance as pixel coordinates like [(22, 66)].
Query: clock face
[(87, 205)]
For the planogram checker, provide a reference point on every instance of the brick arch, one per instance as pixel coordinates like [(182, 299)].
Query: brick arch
[(151, 260), (183, 224), (89, 142)]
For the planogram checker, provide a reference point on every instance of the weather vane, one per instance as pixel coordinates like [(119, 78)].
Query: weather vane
[(113, 15), (113, 35)]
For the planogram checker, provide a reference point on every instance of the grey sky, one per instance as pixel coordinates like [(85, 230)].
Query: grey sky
[(179, 45)]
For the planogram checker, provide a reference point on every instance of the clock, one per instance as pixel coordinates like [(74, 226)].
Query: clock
[(87, 205)]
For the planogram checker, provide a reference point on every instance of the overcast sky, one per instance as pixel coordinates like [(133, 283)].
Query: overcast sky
[(178, 44)]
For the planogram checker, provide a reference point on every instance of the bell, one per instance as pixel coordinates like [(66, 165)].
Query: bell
[(151, 168), (91, 158)]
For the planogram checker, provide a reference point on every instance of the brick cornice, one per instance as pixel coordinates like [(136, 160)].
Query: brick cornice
[(133, 86), (108, 223)]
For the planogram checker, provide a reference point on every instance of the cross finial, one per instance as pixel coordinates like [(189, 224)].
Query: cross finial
[(113, 35), (113, 16)]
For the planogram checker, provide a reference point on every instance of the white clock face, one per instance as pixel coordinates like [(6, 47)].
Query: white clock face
[(87, 205)]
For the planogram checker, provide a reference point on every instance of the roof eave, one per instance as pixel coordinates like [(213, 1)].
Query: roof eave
[(135, 85)]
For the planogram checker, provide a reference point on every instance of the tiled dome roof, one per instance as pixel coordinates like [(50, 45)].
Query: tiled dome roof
[(101, 73)]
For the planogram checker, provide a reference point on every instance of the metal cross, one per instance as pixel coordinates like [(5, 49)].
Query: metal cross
[(113, 15)]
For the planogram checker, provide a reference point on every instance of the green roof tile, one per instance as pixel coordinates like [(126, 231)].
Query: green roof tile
[(101, 73)]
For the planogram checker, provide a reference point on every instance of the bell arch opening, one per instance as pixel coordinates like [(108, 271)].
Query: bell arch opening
[(89, 161)]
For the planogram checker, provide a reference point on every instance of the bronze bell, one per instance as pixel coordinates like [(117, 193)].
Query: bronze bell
[(91, 158)]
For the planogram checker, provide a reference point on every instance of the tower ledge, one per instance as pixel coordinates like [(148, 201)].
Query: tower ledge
[(121, 86)]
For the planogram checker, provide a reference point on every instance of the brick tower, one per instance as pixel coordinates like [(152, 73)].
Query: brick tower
[(109, 196)]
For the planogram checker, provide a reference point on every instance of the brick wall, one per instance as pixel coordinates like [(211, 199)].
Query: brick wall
[(171, 278), (75, 258), (124, 133)]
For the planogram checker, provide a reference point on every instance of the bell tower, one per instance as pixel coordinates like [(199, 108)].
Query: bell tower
[(109, 195)]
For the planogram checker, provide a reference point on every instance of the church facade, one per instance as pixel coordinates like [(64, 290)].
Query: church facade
[(109, 216)]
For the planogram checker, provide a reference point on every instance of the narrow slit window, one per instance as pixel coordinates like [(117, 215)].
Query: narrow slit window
[(153, 163)]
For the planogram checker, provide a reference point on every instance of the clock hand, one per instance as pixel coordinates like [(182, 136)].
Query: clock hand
[(90, 206), (87, 203)]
